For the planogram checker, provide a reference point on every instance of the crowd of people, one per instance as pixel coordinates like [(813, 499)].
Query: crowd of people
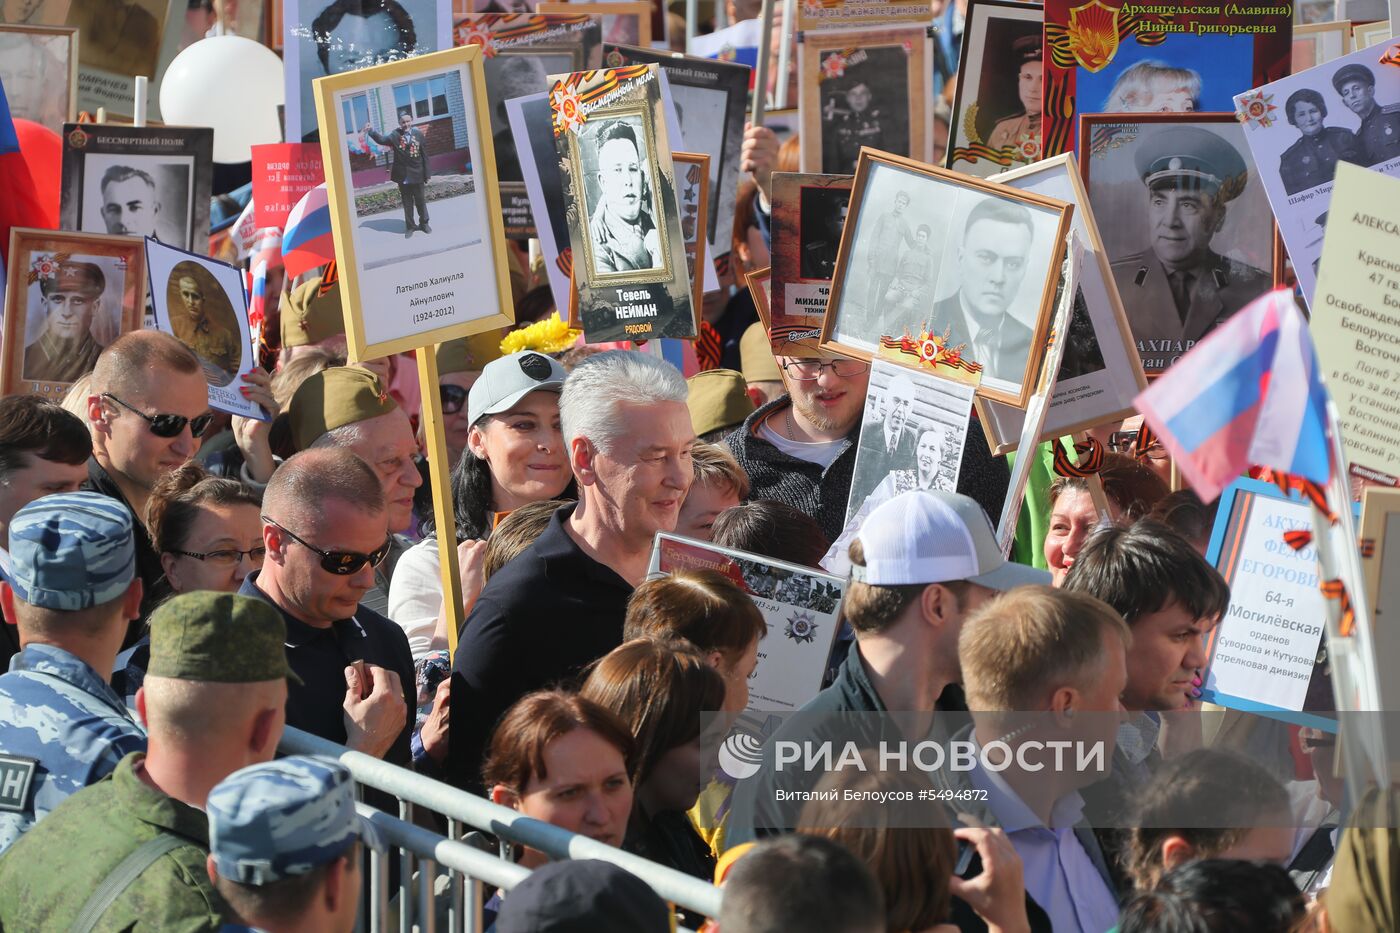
[(179, 586)]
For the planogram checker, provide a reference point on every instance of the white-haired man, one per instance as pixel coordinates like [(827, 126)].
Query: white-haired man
[(559, 605)]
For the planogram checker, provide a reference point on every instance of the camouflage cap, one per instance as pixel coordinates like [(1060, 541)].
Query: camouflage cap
[(283, 818), (219, 638), (719, 398), (312, 313), (71, 551), (334, 398), (469, 354)]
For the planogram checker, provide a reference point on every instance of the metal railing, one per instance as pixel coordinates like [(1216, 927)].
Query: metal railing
[(465, 868)]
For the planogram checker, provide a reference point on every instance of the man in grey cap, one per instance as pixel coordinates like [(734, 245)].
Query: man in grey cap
[(284, 844), (1380, 126), (130, 850), (1182, 288), (71, 588)]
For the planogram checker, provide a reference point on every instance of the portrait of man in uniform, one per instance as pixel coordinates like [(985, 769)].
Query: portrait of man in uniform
[(867, 106), (1312, 160), (409, 169), (621, 220), (891, 234), (203, 319), (1182, 286), (1012, 129), (822, 221), (66, 350), (1379, 132)]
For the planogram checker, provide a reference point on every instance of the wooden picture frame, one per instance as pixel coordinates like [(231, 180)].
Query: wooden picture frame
[(1231, 274), (693, 199), (51, 112), (1368, 34), (759, 282), (418, 293), (640, 10), (832, 67), (1325, 41), (807, 215), (992, 38), (36, 256), (1028, 228), (1092, 394)]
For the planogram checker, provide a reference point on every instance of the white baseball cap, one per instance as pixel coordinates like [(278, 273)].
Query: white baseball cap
[(508, 379), (931, 536)]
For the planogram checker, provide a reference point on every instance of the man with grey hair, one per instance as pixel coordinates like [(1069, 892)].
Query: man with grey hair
[(559, 606)]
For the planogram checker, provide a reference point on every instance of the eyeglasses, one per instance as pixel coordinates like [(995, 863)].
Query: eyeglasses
[(453, 398), (811, 370), (340, 563), (227, 557), (168, 425)]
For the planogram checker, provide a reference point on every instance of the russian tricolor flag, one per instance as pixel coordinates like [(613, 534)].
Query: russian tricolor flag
[(1248, 394), (307, 242)]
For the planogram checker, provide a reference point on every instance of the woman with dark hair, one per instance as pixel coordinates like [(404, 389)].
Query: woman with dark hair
[(1312, 160), (206, 529), (773, 529), (1131, 488), (1218, 896), (515, 455), (660, 688)]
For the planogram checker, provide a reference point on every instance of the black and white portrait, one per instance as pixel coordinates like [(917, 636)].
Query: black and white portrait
[(1186, 225), (621, 223), (139, 195), (866, 105), (911, 436), (822, 218), (37, 73)]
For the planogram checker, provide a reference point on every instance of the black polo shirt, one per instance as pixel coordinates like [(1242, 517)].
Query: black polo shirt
[(148, 568), (319, 657), (538, 622)]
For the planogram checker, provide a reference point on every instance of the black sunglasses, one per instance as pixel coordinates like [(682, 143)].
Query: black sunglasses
[(340, 563), (453, 398), (168, 425)]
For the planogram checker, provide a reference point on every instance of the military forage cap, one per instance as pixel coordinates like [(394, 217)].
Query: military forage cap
[(1353, 72), (312, 313), (469, 354), (334, 398), (283, 818), (1191, 157), (719, 398), (75, 277), (220, 638), (71, 551)]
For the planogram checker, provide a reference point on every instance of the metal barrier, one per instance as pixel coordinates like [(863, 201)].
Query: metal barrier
[(467, 869)]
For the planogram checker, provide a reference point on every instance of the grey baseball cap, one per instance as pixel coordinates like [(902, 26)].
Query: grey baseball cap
[(71, 551), (507, 380)]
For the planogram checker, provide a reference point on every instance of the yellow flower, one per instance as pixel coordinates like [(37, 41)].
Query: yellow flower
[(549, 336)]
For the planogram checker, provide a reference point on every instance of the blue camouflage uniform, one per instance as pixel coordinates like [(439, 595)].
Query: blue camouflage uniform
[(62, 727)]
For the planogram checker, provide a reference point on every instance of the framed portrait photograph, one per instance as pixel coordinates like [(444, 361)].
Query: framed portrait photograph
[(1107, 56), (34, 12), (620, 201), (148, 181), (808, 216), (520, 51), (1101, 372), (201, 302), (996, 107), (760, 284), (624, 23), (531, 125), (332, 37), (418, 233), (693, 199), (1186, 221), (710, 99), (1368, 34), (68, 296), (1318, 43), (39, 71), (1299, 128), (117, 40), (975, 265), (864, 88)]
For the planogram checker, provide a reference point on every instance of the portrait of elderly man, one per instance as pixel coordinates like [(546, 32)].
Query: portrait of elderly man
[(886, 444), (409, 170), (130, 202), (622, 223), (991, 262), (202, 320), (34, 74), (1011, 129), (1181, 287), (353, 34), (66, 350), (1379, 132), (1312, 160)]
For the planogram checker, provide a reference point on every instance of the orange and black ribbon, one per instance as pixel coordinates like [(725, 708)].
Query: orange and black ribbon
[(1313, 492), (1146, 440), (1090, 456), (1336, 589), (708, 348), (1298, 538)]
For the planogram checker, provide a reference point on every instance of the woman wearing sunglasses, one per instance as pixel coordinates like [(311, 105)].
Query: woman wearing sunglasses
[(515, 455)]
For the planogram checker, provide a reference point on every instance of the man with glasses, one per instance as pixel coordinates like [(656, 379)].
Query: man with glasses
[(326, 529), (148, 411)]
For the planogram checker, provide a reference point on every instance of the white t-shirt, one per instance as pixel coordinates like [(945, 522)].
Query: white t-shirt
[(415, 595), (821, 453)]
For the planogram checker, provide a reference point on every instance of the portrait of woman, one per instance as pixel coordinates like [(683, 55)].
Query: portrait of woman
[(1312, 160)]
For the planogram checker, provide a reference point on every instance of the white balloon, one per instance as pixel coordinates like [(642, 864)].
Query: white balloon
[(230, 83)]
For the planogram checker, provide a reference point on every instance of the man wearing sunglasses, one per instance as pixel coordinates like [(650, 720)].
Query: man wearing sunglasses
[(148, 412), (326, 529)]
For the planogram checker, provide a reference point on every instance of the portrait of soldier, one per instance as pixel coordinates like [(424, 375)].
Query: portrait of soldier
[(1312, 160), (1379, 132), (991, 262), (1010, 130), (66, 350), (908, 294), (890, 236), (409, 169), (120, 36), (823, 219), (1181, 288), (130, 203), (202, 318), (621, 224), (853, 121)]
